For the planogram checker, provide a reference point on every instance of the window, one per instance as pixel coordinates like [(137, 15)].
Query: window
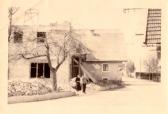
[(18, 36), (105, 67), (41, 36), (40, 70)]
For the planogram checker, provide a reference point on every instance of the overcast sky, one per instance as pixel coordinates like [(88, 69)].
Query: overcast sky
[(82, 13), (96, 14)]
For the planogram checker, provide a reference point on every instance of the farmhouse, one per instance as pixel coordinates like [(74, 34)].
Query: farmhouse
[(104, 59)]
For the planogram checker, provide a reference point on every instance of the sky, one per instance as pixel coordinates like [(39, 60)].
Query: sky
[(81, 13)]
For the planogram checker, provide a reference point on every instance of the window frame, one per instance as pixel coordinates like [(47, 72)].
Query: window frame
[(41, 38), (107, 67), (37, 72), (20, 37)]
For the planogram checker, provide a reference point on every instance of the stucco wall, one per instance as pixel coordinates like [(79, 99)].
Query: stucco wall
[(20, 70), (64, 75), (113, 73)]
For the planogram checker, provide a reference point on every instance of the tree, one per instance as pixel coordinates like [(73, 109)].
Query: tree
[(130, 67), (56, 47), (11, 13), (62, 47), (151, 65)]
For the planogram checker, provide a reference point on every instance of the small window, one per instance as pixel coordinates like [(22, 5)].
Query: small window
[(33, 70), (105, 67), (40, 70), (18, 36), (41, 36)]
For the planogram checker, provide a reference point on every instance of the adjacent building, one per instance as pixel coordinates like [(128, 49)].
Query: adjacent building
[(144, 41)]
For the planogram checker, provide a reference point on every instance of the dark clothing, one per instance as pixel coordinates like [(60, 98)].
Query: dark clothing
[(84, 87), (84, 82), (78, 85)]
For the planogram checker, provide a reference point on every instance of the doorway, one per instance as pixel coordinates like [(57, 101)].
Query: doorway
[(75, 66)]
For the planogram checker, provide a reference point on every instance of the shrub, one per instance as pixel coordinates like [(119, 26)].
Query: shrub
[(130, 67), (19, 88)]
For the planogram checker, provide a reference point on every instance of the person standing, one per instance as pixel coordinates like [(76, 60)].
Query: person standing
[(78, 85), (84, 82)]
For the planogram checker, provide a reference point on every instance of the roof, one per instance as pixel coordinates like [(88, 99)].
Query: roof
[(105, 44), (153, 32)]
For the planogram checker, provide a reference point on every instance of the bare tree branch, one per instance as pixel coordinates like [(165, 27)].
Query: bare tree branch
[(11, 11), (48, 55), (32, 56)]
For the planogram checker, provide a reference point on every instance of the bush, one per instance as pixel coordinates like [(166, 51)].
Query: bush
[(19, 88), (130, 68)]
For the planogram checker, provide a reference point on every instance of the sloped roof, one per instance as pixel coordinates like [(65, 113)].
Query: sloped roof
[(105, 45), (153, 30)]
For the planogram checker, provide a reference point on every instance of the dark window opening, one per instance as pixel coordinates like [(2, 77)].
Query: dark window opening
[(40, 70), (34, 65), (18, 36), (33, 70), (47, 71), (41, 36), (105, 67)]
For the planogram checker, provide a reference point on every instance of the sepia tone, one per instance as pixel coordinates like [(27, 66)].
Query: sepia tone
[(110, 59)]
